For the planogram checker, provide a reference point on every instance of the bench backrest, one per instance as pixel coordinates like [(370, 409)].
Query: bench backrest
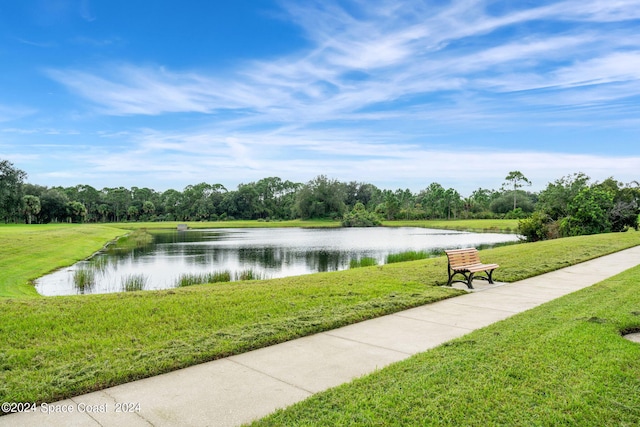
[(462, 257)]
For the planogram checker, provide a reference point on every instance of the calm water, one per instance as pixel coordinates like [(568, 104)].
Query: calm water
[(269, 252)]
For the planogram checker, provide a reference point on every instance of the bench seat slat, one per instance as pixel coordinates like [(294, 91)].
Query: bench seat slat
[(478, 267)]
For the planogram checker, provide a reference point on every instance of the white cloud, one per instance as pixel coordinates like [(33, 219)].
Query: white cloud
[(376, 57), (378, 80), (175, 160), (144, 90), (14, 112)]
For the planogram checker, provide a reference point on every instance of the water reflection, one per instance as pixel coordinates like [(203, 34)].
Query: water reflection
[(266, 253)]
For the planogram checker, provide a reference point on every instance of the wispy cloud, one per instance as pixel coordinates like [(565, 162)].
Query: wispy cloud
[(176, 159), (41, 44), (141, 90), (381, 54), (399, 73), (14, 112)]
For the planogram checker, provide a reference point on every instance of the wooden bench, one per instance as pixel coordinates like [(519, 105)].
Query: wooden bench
[(467, 263)]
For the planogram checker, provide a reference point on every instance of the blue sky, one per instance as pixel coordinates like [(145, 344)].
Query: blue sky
[(163, 94)]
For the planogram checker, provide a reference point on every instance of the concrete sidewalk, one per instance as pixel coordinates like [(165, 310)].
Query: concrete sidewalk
[(239, 389)]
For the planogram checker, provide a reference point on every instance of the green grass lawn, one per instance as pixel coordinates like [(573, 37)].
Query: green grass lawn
[(482, 225), (57, 347), (31, 251), (312, 223), (561, 364)]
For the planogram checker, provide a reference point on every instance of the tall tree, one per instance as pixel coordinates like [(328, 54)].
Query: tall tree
[(54, 204), (11, 180), (433, 201), (453, 202), (391, 204), (516, 180), (118, 200), (173, 201), (89, 197), (321, 198), (77, 211), (480, 200), (31, 206)]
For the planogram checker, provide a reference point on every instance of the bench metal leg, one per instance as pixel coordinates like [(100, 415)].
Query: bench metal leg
[(468, 277), (469, 280)]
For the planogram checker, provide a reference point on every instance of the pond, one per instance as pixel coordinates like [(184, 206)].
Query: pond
[(230, 254)]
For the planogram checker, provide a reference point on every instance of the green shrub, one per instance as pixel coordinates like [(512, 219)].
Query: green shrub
[(360, 217), (535, 228)]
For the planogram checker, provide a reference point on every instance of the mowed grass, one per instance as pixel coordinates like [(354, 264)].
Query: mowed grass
[(57, 347), (479, 225), (311, 223), (31, 251), (564, 363)]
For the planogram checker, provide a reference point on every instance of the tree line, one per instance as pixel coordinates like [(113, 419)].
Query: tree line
[(571, 205)]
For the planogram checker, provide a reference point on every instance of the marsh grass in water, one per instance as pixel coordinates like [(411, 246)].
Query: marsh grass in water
[(199, 279), (250, 275), (410, 256), (84, 278), (218, 277), (363, 262), (98, 264), (134, 282)]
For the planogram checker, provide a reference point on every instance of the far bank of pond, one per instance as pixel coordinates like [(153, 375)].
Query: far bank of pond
[(248, 253)]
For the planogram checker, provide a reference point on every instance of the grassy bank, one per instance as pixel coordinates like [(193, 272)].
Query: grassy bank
[(478, 225), (58, 347), (563, 363), (30, 251), (314, 223), (62, 346)]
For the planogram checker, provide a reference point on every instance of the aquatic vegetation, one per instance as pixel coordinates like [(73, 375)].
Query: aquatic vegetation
[(409, 256), (249, 275), (199, 279), (99, 263), (363, 262), (84, 278), (134, 282), (218, 277)]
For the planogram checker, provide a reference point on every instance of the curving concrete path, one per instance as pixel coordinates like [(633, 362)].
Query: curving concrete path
[(239, 389)]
